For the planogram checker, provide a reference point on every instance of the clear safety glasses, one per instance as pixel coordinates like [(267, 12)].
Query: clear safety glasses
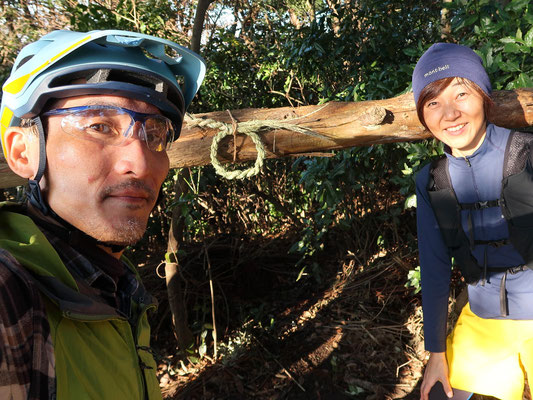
[(114, 125)]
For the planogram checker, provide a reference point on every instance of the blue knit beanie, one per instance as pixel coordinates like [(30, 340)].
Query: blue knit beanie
[(444, 60)]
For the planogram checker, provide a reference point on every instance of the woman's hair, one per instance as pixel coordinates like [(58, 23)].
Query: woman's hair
[(433, 89)]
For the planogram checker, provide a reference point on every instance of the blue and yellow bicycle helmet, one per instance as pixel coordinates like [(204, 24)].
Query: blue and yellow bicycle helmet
[(65, 63)]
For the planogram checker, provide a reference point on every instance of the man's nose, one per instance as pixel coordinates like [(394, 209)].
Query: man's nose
[(133, 156)]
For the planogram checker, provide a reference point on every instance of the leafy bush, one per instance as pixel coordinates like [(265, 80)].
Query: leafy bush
[(347, 53)]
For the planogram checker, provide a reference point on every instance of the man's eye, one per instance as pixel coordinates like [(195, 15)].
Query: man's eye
[(100, 129)]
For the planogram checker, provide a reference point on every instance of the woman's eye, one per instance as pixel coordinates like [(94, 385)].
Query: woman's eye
[(462, 94), (431, 104)]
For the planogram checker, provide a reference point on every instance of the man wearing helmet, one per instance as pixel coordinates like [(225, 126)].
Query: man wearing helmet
[(86, 118)]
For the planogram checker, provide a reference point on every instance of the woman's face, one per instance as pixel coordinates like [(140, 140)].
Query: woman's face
[(456, 117)]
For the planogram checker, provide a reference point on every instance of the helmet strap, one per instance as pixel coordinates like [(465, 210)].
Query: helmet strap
[(34, 194)]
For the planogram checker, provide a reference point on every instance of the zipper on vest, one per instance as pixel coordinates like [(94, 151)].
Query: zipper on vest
[(142, 310), (468, 162), (485, 262), (134, 326)]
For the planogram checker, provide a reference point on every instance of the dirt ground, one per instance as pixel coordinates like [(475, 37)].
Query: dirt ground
[(354, 331), (357, 334)]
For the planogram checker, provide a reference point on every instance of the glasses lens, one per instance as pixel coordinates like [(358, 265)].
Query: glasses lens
[(159, 132), (105, 125), (113, 125)]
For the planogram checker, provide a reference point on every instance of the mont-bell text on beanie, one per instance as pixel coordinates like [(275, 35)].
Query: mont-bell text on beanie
[(445, 60)]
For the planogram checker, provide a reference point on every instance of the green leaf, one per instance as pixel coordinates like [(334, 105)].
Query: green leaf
[(511, 48), (411, 52), (524, 81), (410, 202), (319, 48), (517, 5), (528, 39), (407, 170), (508, 39), (355, 390), (170, 258), (488, 58), (300, 274), (202, 349), (471, 19), (509, 66)]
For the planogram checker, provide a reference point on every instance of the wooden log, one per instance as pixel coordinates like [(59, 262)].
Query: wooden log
[(340, 125), (343, 125)]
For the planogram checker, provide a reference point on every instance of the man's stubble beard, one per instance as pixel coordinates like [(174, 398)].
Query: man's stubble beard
[(123, 233)]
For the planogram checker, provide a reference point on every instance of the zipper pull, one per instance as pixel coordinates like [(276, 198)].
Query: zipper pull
[(468, 162)]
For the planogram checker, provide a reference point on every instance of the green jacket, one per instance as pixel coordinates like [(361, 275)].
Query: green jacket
[(98, 353)]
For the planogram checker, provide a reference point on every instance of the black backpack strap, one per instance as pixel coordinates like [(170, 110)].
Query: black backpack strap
[(447, 211), (480, 205), (439, 177), (517, 152)]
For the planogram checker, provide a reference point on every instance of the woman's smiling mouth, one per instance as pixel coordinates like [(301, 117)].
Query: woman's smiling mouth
[(454, 130)]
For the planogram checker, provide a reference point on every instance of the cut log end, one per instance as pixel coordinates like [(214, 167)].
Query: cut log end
[(374, 116)]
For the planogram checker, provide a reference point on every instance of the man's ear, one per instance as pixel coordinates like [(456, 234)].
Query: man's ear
[(22, 151)]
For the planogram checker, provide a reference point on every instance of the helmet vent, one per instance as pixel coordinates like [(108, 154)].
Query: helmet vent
[(102, 75), (94, 76), (24, 61), (171, 52)]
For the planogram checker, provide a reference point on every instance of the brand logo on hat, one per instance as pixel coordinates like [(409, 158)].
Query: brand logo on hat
[(438, 69)]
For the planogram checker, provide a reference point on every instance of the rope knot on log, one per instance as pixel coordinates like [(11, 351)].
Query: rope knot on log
[(248, 128)]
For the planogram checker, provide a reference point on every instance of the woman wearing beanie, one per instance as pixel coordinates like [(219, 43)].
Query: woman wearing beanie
[(475, 209)]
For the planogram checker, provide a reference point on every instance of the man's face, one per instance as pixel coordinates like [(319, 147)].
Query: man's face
[(105, 191)]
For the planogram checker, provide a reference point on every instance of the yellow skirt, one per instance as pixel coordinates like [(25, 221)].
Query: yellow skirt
[(490, 356)]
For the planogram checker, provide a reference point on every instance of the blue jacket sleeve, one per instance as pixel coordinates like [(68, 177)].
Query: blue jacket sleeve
[(435, 268)]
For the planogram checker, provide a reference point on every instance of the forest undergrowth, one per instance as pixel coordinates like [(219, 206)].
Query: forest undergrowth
[(353, 332)]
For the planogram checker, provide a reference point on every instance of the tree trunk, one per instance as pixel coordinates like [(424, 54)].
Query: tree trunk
[(176, 298), (295, 21), (198, 25), (446, 27), (339, 125)]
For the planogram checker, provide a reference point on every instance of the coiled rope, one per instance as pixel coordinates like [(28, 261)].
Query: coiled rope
[(250, 129)]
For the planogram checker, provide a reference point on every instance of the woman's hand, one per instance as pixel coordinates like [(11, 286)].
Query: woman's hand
[(436, 370)]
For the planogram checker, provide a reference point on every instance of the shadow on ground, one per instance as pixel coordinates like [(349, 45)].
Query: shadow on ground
[(355, 334)]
